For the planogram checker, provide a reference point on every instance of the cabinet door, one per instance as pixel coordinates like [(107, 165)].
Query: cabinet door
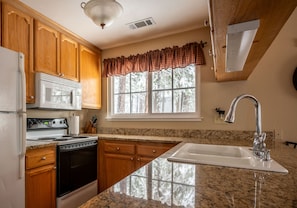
[(47, 50), (69, 58), (17, 35), (90, 78), (146, 152), (117, 167), (41, 187)]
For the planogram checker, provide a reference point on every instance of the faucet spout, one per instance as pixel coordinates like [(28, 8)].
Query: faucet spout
[(259, 147), (230, 117)]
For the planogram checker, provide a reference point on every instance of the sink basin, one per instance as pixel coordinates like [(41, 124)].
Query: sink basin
[(223, 155)]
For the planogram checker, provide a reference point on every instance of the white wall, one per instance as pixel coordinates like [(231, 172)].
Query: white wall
[(271, 83)]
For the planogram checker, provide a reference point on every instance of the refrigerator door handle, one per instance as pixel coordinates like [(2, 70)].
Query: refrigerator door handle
[(22, 98), (22, 144)]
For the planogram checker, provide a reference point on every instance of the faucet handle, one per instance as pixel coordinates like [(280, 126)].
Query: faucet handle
[(266, 156), (263, 136)]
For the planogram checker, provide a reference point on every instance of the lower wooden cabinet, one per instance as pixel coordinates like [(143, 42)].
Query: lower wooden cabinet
[(41, 178), (118, 159)]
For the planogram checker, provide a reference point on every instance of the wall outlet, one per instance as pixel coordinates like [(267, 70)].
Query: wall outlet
[(219, 120), (278, 133)]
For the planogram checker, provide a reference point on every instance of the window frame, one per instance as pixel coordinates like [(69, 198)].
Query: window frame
[(185, 116)]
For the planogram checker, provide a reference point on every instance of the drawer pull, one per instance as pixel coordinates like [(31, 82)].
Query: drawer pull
[(43, 158), (154, 151), (131, 158), (118, 149)]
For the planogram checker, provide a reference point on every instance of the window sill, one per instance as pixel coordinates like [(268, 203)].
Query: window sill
[(164, 119)]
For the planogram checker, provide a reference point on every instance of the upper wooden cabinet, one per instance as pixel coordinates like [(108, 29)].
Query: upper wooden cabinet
[(272, 15), (55, 53), (17, 35), (47, 49), (51, 49), (69, 58), (90, 78)]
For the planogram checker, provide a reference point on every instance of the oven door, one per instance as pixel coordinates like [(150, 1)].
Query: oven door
[(76, 166)]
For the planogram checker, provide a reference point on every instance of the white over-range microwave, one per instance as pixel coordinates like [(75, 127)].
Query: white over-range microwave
[(56, 93)]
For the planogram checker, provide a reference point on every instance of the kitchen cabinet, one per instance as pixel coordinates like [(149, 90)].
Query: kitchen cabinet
[(41, 177), (46, 49), (90, 78), (69, 58), (55, 53), (17, 35), (118, 159)]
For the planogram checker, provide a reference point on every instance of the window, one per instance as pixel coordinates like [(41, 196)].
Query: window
[(166, 94)]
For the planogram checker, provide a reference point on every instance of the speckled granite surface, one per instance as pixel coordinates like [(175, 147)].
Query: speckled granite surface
[(205, 136), (38, 144), (165, 184)]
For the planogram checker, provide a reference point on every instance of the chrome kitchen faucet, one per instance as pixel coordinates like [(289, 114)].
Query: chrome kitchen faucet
[(259, 146)]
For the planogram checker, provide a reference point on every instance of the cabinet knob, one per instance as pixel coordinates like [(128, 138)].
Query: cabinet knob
[(31, 97), (118, 149), (131, 158), (55, 168), (43, 158), (154, 151), (138, 159)]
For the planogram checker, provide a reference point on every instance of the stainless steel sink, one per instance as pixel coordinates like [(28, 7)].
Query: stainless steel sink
[(223, 155)]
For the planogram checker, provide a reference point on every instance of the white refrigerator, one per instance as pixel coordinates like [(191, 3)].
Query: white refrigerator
[(12, 129)]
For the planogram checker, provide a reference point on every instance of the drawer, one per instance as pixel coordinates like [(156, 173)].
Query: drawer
[(153, 150), (120, 148), (40, 157)]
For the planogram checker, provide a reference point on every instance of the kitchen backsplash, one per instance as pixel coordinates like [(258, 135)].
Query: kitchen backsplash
[(227, 136)]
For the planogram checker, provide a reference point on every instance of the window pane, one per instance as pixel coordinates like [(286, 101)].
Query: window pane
[(184, 77), (121, 84), (169, 91), (162, 102), (122, 103), (139, 82), (139, 101), (184, 100), (162, 79)]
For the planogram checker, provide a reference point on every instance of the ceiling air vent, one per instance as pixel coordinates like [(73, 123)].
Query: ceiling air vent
[(141, 23)]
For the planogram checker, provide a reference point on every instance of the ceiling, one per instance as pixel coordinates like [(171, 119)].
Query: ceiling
[(170, 16)]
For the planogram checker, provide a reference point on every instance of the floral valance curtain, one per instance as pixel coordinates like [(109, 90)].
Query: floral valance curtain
[(175, 57)]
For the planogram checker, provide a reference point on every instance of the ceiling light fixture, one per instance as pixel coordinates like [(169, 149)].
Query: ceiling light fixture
[(239, 40), (102, 12)]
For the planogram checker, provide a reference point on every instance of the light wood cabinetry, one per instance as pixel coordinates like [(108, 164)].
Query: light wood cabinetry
[(146, 152), (55, 52), (17, 35), (51, 49), (272, 14), (41, 178), (90, 78), (69, 58), (118, 159), (46, 48)]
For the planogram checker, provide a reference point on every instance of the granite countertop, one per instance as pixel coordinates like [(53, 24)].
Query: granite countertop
[(37, 144), (167, 184)]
